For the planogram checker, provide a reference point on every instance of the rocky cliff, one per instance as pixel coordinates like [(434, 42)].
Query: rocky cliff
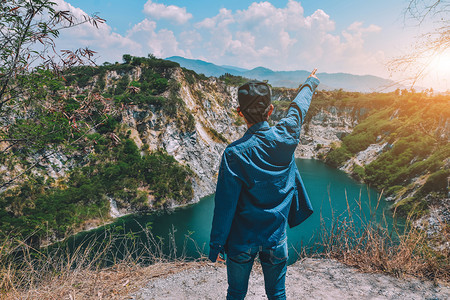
[(160, 106), (212, 104), (325, 124)]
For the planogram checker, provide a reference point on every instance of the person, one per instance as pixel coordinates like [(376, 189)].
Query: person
[(259, 191)]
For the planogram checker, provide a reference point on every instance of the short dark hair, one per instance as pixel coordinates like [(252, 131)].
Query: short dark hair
[(254, 100)]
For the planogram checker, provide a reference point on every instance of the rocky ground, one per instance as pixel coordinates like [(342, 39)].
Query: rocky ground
[(306, 279)]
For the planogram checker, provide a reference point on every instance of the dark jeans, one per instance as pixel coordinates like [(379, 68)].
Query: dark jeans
[(273, 262)]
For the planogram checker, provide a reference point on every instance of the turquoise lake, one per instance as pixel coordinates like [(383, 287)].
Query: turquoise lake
[(330, 191)]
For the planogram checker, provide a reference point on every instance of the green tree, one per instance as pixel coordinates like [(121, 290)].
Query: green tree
[(30, 75), (126, 58), (30, 25)]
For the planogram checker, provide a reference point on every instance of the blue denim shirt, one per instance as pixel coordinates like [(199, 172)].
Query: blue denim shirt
[(259, 189)]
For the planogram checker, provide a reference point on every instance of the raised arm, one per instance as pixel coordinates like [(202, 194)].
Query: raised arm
[(299, 107)]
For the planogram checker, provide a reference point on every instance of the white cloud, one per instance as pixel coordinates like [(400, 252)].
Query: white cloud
[(357, 27), (170, 12), (321, 19), (260, 35), (285, 39), (263, 34), (190, 39), (109, 44), (161, 43), (223, 19), (142, 39), (346, 52)]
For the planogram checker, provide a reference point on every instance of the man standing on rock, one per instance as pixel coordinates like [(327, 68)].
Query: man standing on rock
[(259, 191)]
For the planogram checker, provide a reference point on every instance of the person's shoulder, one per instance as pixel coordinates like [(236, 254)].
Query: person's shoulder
[(234, 149), (238, 144)]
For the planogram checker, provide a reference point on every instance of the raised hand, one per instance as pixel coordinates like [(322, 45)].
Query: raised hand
[(313, 74)]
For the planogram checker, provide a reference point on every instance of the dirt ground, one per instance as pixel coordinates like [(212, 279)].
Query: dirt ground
[(306, 279)]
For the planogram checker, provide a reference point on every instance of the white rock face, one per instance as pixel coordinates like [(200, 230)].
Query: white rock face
[(114, 211), (434, 223), (211, 105), (364, 157), (328, 126), (55, 164)]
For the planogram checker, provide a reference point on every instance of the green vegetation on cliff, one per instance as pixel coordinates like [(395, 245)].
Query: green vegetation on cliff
[(413, 130), (37, 209), (412, 127), (79, 119)]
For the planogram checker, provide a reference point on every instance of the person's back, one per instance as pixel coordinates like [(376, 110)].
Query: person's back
[(259, 191)]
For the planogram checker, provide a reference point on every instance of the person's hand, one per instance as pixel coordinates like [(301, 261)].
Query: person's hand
[(313, 74), (220, 259)]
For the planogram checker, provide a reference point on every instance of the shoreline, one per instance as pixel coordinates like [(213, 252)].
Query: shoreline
[(113, 220), (168, 210)]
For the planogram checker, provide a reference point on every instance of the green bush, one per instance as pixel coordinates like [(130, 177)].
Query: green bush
[(393, 190), (50, 128), (71, 105), (336, 157), (358, 142), (101, 82), (190, 122), (233, 80), (126, 58), (218, 137), (437, 182), (108, 125), (412, 206), (358, 172), (122, 85)]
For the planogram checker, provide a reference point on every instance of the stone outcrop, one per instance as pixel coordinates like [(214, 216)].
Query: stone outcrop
[(327, 127), (365, 157), (212, 105)]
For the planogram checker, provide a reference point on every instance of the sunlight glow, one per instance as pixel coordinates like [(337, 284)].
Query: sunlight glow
[(439, 69), (441, 64)]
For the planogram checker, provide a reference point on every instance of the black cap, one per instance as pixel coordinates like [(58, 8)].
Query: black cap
[(254, 100)]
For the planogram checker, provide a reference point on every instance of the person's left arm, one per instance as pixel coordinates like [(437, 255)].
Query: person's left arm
[(227, 195)]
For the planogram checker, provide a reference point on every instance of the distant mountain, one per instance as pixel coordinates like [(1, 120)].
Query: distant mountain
[(203, 67), (291, 79), (235, 68)]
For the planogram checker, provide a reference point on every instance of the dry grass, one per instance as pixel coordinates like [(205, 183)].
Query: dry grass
[(116, 282), (373, 246), (113, 266), (110, 266)]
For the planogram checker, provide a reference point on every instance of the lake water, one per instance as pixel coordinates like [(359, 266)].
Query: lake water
[(331, 192)]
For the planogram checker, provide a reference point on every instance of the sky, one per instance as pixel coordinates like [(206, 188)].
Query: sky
[(351, 36)]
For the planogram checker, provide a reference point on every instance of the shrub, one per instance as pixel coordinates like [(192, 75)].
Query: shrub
[(122, 85), (108, 125), (336, 157), (233, 80), (190, 122), (393, 190), (437, 182), (358, 142), (412, 207), (126, 58), (218, 137), (358, 172)]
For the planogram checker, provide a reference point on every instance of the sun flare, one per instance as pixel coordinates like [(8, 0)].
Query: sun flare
[(441, 66)]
